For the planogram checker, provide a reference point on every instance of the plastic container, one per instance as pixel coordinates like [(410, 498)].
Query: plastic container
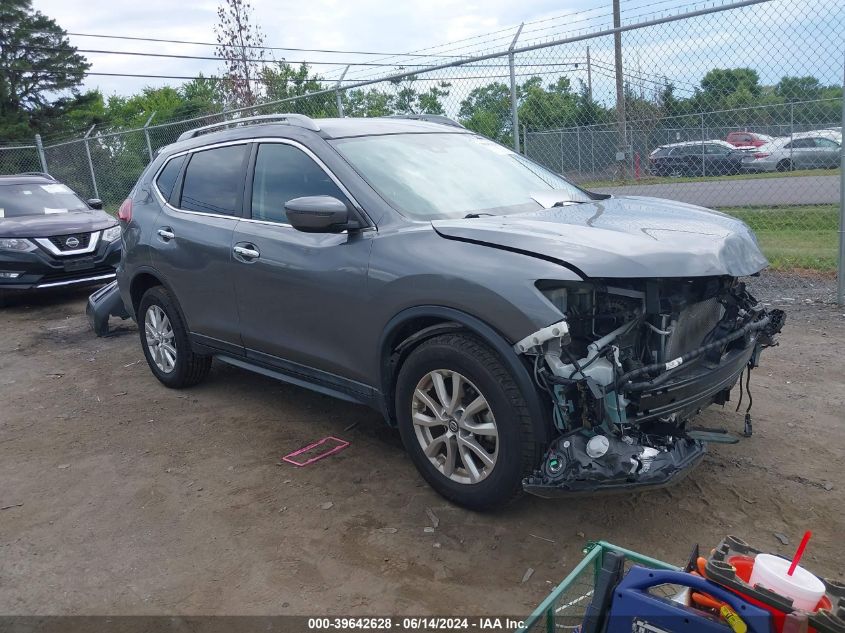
[(731, 563), (803, 587)]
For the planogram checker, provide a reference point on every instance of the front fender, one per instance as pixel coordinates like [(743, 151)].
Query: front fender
[(449, 319)]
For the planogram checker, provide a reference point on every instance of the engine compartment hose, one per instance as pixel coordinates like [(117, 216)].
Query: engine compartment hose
[(655, 369)]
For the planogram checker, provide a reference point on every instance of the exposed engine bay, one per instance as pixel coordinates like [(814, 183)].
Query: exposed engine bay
[(630, 366)]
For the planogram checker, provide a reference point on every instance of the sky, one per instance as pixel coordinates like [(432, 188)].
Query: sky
[(776, 38), (369, 25)]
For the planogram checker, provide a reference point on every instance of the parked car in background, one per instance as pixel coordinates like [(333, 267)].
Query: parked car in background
[(521, 332), (747, 139), (806, 150), (696, 158), (50, 237)]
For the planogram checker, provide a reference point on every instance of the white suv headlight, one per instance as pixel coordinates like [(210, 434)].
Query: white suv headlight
[(112, 233), (16, 244)]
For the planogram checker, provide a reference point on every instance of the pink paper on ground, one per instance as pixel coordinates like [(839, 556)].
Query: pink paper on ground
[(341, 444)]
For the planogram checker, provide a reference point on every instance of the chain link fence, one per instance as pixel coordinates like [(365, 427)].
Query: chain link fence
[(734, 107)]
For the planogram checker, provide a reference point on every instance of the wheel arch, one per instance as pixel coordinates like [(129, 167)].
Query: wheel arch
[(408, 329), (145, 279)]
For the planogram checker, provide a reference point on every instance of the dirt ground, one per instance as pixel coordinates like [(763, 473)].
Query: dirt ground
[(119, 496)]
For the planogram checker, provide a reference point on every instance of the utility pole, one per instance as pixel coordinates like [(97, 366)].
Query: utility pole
[(589, 77), (620, 91)]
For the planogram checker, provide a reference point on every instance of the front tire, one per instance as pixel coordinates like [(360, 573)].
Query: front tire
[(784, 165), (164, 339), (464, 422)]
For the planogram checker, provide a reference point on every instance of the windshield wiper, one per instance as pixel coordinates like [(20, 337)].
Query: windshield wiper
[(469, 216)]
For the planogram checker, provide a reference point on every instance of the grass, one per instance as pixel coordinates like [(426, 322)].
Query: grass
[(668, 180), (795, 237)]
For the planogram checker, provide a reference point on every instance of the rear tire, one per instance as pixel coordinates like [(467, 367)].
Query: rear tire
[(463, 436), (164, 339), (784, 165)]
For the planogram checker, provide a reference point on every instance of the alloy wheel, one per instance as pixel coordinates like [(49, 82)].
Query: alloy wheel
[(159, 335), (455, 426)]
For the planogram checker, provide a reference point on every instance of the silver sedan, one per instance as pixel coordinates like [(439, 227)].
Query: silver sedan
[(811, 150)]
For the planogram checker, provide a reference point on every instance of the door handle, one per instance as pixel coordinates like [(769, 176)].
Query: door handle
[(166, 233), (246, 253)]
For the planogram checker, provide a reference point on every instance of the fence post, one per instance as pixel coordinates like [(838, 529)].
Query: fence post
[(791, 133), (337, 93), (147, 135), (703, 168), (514, 109), (578, 143), (840, 275), (90, 162), (41, 157)]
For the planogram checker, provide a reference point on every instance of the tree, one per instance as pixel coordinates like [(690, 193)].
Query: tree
[(237, 38), (38, 68), (408, 99), (720, 84), (487, 110), (792, 89), (284, 82), (547, 108), (368, 103)]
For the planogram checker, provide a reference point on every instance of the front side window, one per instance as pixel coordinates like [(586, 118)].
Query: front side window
[(213, 180), (167, 177), (38, 199), (282, 173), (449, 175)]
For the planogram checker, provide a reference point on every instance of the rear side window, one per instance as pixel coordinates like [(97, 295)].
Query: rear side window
[(282, 173), (802, 143), (167, 177), (213, 180)]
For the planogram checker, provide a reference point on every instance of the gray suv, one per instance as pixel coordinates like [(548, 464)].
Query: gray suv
[(522, 333)]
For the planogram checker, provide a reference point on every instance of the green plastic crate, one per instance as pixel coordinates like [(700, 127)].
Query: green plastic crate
[(564, 608)]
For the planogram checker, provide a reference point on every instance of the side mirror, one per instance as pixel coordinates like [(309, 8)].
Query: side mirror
[(319, 214), (95, 203)]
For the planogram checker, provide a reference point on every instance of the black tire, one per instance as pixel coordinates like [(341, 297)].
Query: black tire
[(189, 368), (518, 451), (784, 165)]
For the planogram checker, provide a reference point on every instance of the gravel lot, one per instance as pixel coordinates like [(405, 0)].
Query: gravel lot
[(738, 193), (119, 496)]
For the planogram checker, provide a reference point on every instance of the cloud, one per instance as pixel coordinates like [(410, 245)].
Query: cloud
[(369, 25)]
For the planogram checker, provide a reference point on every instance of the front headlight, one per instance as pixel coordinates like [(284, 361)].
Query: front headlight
[(18, 244), (112, 233), (558, 297)]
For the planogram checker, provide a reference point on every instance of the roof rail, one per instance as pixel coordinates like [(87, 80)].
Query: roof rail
[(431, 118), (299, 120), (43, 174)]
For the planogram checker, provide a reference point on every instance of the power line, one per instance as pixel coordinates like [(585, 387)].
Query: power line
[(259, 80), (204, 57), (269, 61), (250, 46)]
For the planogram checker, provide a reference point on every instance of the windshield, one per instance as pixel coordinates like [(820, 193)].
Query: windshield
[(38, 199), (435, 176)]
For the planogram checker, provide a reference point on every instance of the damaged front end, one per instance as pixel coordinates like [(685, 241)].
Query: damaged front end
[(630, 366)]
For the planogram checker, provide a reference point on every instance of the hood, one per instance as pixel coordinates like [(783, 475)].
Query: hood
[(626, 236), (55, 224)]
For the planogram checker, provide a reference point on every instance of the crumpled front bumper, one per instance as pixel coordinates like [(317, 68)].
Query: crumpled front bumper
[(669, 468)]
